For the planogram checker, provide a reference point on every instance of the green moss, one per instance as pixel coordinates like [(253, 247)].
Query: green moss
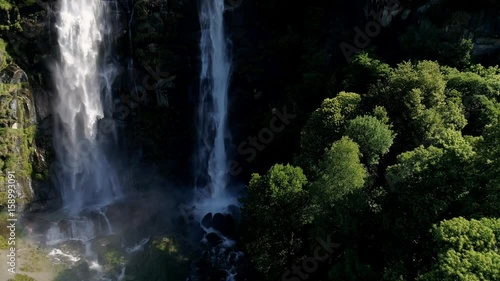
[(113, 258), (11, 11), (22, 277), (3, 243), (39, 177), (165, 259), (16, 144), (4, 56), (166, 245)]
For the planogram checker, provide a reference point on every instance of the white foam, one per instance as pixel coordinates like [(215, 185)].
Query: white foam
[(57, 253)]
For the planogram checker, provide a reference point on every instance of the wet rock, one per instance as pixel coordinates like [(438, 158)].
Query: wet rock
[(13, 74), (165, 258), (65, 227), (72, 247), (207, 220), (67, 253), (100, 244), (213, 239), (224, 224), (13, 106), (218, 222)]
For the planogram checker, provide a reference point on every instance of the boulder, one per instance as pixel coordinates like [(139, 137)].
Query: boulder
[(13, 74), (207, 220), (213, 239)]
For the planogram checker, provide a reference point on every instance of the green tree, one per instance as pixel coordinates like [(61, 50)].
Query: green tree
[(340, 174), (468, 250), (341, 208), (273, 218), (485, 197), (324, 126), (480, 90), (373, 137), (417, 103), (425, 186), (363, 72)]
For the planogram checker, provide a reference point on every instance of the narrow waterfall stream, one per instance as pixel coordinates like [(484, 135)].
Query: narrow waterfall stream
[(214, 204), (212, 109), (211, 154)]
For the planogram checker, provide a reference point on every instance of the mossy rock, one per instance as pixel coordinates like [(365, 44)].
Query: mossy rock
[(165, 258)]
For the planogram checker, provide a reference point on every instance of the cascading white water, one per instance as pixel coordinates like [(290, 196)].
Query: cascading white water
[(213, 135), (212, 164), (87, 178)]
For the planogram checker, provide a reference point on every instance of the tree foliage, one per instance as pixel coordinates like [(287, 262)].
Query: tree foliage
[(324, 126), (373, 137), (275, 212), (428, 134), (341, 172), (468, 250)]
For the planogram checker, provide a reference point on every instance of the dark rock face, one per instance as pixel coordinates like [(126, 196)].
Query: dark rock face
[(218, 256), (13, 74), (25, 70), (207, 220), (18, 120)]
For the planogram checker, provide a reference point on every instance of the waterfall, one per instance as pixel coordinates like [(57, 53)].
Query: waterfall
[(214, 205), (83, 79), (212, 164)]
